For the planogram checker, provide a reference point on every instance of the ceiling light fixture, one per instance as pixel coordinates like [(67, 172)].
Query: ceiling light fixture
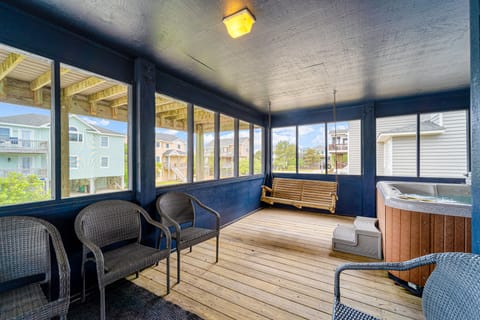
[(239, 23)]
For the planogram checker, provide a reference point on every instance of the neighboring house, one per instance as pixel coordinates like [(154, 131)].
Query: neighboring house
[(96, 160), (97, 157), (442, 145), (338, 149), (227, 153), (25, 145), (171, 157), (344, 148)]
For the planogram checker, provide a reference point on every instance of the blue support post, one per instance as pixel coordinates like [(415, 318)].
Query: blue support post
[(55, 134), (236, 140), (475, 120), (368, 160), (216, 151), (144, 137), (190, 139)]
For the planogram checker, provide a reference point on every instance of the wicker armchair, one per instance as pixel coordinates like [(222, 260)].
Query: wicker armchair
[(25, 264), (452, 291), (110, 231), (177, 209)]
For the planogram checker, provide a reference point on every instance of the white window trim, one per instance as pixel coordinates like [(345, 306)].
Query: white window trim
[(9, 131), (20, 163), (78, 133), (108, 162), (77, 162), (108, 141)]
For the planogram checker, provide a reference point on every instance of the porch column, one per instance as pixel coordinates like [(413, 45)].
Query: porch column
[(475, 120), (369, 160), (199, 153), (91, 188), (144, 119)]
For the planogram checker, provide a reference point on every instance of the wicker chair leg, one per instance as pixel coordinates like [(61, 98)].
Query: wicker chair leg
[(178, 265), (136, 275), (218, 236), (168, 275), (190, 249), (102, 303), (83, 282)]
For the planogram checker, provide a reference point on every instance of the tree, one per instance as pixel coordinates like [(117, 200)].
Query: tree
[(284, 156), (158, 169), (311, 158), (258, 155), (19, 188), (257, 162), (243, 166)]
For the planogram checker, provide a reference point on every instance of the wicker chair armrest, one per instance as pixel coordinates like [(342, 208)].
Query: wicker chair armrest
[(160, 226), (208, 209), (62, 261), (97, 252), (172, 222), (397, 266)]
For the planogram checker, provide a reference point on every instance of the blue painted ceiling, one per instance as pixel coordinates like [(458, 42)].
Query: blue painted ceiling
[(297, 52)]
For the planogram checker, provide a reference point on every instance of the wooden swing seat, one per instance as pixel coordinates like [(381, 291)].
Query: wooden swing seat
[(302, 193)]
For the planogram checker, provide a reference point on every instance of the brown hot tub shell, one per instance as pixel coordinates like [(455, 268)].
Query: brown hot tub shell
[(408, 234)]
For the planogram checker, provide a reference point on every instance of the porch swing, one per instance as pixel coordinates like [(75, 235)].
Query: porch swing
[(304, 193)]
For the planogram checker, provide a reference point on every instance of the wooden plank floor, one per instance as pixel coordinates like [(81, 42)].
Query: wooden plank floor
[(277, 264)]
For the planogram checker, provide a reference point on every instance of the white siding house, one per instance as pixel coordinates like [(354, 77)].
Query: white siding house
[(443, 145), (354, 147)]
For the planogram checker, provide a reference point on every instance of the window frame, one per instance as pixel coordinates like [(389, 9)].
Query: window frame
[(77, 133), (9, 133), (107, 144), (77, 162), (101, 162), (325, 173), (418, 142), (295, 128)]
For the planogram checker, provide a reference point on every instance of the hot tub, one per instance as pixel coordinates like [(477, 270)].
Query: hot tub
[(439, 198), (421, 218)]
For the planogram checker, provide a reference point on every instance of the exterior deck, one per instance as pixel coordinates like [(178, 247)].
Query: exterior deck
[(278, 264)]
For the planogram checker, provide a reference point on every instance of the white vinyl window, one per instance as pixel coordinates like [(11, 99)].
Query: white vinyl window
[(73, 162), (104, 141), (74, 135), (4, 134), (104, 162)]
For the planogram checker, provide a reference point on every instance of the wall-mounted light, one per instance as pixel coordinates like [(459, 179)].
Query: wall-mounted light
[(239, 23)]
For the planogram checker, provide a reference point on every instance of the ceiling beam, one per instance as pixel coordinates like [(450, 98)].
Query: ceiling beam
[(169, 106), (10, 62), (108, 93), (178, 114), (161, 101), (119, 102), (18, 92), (83, 85), (203, 116), (45, 79)]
